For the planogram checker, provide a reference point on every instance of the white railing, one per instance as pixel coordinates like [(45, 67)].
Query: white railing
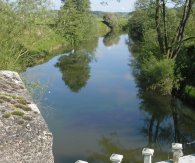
[(148, 154)]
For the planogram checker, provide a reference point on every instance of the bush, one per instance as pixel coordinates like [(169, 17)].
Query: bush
[(157, 75), (190, 90)]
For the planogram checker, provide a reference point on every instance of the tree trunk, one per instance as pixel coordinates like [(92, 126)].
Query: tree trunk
[(158, 27), (165, 26), (175, 45)]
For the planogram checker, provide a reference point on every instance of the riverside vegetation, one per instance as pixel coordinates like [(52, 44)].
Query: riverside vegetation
[(165, 62), (31, 32)]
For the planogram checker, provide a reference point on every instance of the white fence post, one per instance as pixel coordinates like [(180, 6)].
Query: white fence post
[(116, 158), (147, 153), (80, 161), (177, 152)]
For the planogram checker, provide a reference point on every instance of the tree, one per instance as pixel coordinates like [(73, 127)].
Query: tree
[(75, 20), (171, 46), (162, 33), (111, 21)]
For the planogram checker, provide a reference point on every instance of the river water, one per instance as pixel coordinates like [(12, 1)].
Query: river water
[(93, 106)]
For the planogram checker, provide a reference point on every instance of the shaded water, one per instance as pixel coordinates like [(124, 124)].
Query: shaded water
[(92, 105)]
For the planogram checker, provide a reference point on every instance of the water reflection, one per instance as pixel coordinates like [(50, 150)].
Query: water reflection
[(75, 70), (75, 67), (166, 121), (111, 38), (110, 145)]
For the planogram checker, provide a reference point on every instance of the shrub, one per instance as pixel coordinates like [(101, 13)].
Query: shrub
[(157, 75)]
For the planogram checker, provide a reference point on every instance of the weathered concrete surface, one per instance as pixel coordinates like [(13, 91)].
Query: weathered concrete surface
[(24, 135)]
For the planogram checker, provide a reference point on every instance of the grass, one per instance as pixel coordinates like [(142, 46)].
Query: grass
[(17, 101), (102, 29), (41, 38), (7, 115), (17, 113), (23, 107), (21, 101), (190, 90), (5, 98)]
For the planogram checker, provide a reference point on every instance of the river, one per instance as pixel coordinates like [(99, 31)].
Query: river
[(93, 106)]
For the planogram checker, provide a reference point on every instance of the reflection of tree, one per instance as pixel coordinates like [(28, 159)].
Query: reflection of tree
[(75, 67), (167, 120), (111, 38), (75, 70), (110, 145), (157, 109)]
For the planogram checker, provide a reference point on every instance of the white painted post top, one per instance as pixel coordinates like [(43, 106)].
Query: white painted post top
[(176, 146), (147, 152), (116, 158), (80, 161)]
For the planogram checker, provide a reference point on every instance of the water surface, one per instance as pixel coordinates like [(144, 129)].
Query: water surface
[(93, 106)]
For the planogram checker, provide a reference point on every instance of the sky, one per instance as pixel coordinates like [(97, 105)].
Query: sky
[(113, 5)]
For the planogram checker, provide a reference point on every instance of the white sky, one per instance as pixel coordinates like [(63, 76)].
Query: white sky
[(113, 5)]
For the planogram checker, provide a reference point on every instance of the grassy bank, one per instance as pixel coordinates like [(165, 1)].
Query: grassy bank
[(43, 43)]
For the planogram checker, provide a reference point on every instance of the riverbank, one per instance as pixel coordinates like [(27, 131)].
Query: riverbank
[(24, 135), (39, 45)]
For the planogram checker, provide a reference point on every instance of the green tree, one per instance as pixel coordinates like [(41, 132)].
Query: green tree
[(162, 32), (111, 21), (75, 20), (17, 19), (10, 32)]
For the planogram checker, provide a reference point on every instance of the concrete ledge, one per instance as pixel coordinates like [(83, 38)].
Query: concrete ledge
[(24, 135)]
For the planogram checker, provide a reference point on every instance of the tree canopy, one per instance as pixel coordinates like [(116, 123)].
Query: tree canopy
[(74, 20)]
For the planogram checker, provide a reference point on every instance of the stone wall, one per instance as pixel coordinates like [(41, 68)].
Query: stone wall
[(24, 135)]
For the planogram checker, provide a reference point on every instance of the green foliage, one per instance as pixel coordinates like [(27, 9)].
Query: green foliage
[(41, 39), (157, 75), (30, 12), (156, 72), (23, 107), (190, 90), (136, 25), (75, 20), (10, 31), (123, 24), (111, 20), (24, 33), (17, 113), (101, 28)]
